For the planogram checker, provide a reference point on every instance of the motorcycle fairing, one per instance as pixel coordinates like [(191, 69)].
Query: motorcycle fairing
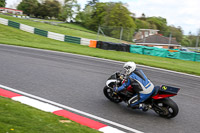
[(166, 91)]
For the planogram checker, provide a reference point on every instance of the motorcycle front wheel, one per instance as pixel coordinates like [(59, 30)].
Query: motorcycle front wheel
[(108, 92), (166, 108)]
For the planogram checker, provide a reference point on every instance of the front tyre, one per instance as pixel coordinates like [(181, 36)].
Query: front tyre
[(166, 108), (108, 92)]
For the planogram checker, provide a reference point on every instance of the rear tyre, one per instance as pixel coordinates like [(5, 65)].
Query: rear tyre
[(108, 92), (166, 108)]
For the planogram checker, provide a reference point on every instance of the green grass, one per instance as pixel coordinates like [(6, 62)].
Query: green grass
[(61, 30), (19, 118), (76, 26), (48, 20), (12, 36), (66, 25)]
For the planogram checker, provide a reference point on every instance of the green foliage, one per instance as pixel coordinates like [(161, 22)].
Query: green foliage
[(66, 30), (84, 17), (118, 15), (29, 7), (193, 40), (97, 17), (186, 41), (142, 24), (2, 3), (176, 32), (111, 15), (49, 8), (70, 8), (158, 23)]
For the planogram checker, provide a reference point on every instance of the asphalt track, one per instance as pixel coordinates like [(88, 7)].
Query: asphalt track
[(77, 82)]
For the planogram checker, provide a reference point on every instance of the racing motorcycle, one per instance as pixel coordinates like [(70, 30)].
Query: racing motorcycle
[(159, 101)]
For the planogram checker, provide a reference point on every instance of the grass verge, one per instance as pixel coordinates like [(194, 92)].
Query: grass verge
[(62, 30), (18, 118), (12, 36)]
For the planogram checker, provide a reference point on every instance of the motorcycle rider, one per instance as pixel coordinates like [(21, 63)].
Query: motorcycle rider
[(140, 84)]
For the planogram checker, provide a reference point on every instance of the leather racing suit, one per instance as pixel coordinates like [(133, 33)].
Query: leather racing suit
[(141, 85)]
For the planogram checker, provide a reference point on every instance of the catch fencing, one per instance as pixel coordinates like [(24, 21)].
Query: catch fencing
[(121, 33), (153, 51)]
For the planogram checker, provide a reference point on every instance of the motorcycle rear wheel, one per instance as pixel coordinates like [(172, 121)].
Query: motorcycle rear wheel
[(108, 92), (168, 108)]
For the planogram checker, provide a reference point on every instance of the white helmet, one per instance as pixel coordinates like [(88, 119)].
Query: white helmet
[(129, 67)]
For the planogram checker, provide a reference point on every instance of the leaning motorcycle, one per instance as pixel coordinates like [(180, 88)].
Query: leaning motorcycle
[(159, 101)]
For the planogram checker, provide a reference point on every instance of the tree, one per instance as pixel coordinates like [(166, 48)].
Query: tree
[(84, 17), (117, 15), (2, 3), (50, 8), (97, 17), (186, 41), (158, 23), (192, 39), (92, 3), (29, 7), (176, 32), (114, 16), (143, 17), (141, 24), (69, 10)]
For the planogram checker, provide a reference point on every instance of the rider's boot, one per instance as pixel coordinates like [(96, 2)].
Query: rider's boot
[(141, 106), (144, 107)]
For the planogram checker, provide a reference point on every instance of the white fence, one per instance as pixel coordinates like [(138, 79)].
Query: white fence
[(27, 28), (56, 36), (3, 21), (52, 35)]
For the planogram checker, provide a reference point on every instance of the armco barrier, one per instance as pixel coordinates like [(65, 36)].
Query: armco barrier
[(41, 32), (187, 56), (13, 24), (56, 36), (137, 49), (173, 55), (197, 57), (72, 39), (3, 21), (148, 51), (27, 28), (85, 41), (52, 35), (160, 52)]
